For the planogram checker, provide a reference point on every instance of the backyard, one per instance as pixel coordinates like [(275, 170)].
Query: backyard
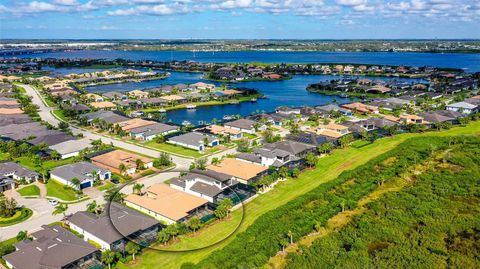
[(175, 150), (328, 168)]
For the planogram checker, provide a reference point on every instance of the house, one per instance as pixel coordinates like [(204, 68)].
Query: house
[(463, 107), (113, 96), (309, 138), (6, 184), (53, 248), (105, 105), (378, 89), (361, 108), (138, 94), (149, 132), (167, 204), (268, 157), (17, 172), (206, 184), (92, 97), (86, 172), (220, 130), (202, 86), (134, 123), (437, 116), (174, 99), (411, 119), (194, 140), (330, 108), (71, 148), (107, 116), (242, 171), (113, 160), (292, 147), (245, 126), (114, 227)]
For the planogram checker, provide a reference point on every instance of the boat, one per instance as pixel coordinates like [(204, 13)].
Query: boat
[(162, 110), (253, 100), (191, 106), (186, 123), (227, 117)]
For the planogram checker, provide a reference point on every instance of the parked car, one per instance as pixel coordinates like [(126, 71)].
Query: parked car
[(53, 202), (115, 181)]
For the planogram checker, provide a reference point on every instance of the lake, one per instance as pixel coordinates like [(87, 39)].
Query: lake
[(468, 61)]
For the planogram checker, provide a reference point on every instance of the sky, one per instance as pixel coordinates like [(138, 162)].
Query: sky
[(239, 19)]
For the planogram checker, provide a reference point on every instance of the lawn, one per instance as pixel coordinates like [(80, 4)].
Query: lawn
[(328, 168), (59, 114), (47, 165), (105, 186), (31, 190), (55, 189), (174, 149)]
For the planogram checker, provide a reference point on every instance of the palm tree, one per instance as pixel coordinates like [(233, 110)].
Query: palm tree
[(108, 257), (137, 188), (122, 168), (60, 209), (290, 235), (75, 182), (317, 226), (132, 248), (194, 224), (163, 236), (283, 244), (283, 172), (92, 207), (172, 230)]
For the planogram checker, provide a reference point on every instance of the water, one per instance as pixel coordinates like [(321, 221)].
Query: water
[(470, 62)]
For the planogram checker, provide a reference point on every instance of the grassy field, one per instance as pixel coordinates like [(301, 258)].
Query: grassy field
[(31, 190), (55, 189), (174, 149), (328, 168), (59, 114)]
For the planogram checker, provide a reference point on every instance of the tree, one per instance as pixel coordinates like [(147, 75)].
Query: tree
[(8, 206), (172, 230), (60, 209), (311, 159), (226, 204), (194, 224), (63, 125), (325, 148), (345, 140), (163, 236), (114, 195), (139, 163), (317, 226), (290, 235), (92, 207), (22, 235), (137, 188), (122, 168), (220, 212), (243, 145), (132, 248), (215, 161), (283, 172), (159, 139), (295, 172), (108, 257), (55, 155), (201, 163), (163, 160), (283, 243), (75, 182)]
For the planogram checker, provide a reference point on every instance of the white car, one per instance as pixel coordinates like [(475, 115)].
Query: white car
[(53, 202)]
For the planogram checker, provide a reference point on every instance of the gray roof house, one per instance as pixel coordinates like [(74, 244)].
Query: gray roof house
[(53, 248), (105, 115), (17, 172), (327, 109), (268, 157), (114, 227), (206, 184), (84, 171), (463, 107), (243, 125), (149, 132), (6, 184), (292, 147), (436, 117), (71, 148), (194, 140)]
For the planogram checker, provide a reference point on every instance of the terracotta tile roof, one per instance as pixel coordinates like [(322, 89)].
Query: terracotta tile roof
[(117, 157), (135, 123), (166, 201), (172, 97), (104, 104), (238, 169)]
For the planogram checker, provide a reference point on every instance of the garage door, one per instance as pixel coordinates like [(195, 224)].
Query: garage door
[(85, 185)]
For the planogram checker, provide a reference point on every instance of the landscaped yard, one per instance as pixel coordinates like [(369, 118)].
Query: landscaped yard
[(59, 113), (174, 149), (47, 165), (329, 167), (22, 214), (55, 189), (105, 186), (31, 190)]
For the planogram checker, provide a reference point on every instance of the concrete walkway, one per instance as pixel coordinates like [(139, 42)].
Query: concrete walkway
[(43, 189)]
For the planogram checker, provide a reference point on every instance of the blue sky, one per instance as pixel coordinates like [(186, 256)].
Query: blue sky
[(311, 19)]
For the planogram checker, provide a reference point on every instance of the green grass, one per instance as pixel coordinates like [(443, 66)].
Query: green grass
[(328, 168), (174, 149), (22, 214), (47, 165), (55, 189), (31, 190), (59, 114), (360, 143), (105, 186)]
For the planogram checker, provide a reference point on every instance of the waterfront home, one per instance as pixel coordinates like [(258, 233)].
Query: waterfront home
[(92, 97), (331, 130), (167, 204), (378, 89), (221, 130), (53, 248), (242, 171), (113, 96), (245, 126), (134, 123), (205, 184), (463, 107), (171, 99), (116, 159), (114, 227), (202, 86), (17, 172), (85, 172), (138, 94), (6, 184), (71, 148), (104, 105), (194, 140), (149, 132)]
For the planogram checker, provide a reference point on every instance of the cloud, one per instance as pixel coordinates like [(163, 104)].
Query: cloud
[(351, 2), (66, 2)]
